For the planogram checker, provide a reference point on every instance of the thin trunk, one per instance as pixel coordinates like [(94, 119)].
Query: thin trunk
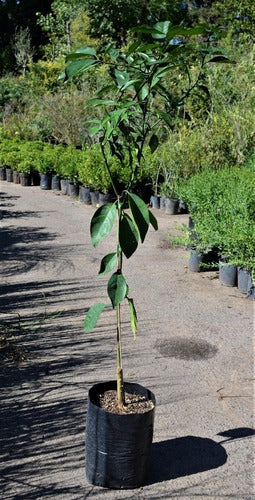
[(119, 374)]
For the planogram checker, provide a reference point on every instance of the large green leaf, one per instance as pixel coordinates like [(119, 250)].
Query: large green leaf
[(128, 236), (108, 263), (153, 143), (80, 53), (153, 221), (92, 316), (102, 222), (133, 316), (117, 288), (122, 77), (79, 66), (140, 214), (100, 102), (162, 28)]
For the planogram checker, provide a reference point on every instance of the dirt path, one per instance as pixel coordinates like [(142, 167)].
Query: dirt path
[(194, 350)]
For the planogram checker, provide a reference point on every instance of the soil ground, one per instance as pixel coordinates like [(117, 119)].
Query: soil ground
[(194, 350)]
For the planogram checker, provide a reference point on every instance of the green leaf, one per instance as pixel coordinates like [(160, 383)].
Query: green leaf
[(140, 214), (122, 77), (133, 316), (117, 288), (220, 58), (94, 130), (92, 316), (162, 28), (153, 221), (79, 66), (80, 53), (145, 29), (102, 222), (165, 116), (108, 263), (143, 93), (100, 102), (128, 236), (153, 143)]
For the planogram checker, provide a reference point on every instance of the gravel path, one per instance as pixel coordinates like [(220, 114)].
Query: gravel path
[(194, 350)]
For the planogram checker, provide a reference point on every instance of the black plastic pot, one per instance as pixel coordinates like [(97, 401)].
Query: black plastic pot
[(84, 195), (183, 209), (45, 182), (118, 447), (25, 179), (55, 183), (162, 203), (104, 198), (94, 196), (227, 274), (9, 174), (2, 174), (244, 281), (155, 201), (15, 177), (73, 190), (171, 206), (35, 178), (64, 186), (195, 261)]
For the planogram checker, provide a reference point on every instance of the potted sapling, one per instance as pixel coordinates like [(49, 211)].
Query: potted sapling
[(120, 414)]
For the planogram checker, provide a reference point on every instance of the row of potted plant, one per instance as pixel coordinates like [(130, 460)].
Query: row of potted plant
[(222, 229)]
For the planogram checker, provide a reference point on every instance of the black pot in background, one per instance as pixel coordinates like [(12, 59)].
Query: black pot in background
[(155, 201), (45, 182), (25, 179), (227, 274), (9, 174), (195, 261), (118, 446), (84, 195), (162, 203), (183, 209), (64, 186), (104, 198), (171, 206), (73, 190), (35, 178), (244, 280), (15, 177), (94, 196), (55, 183), (2, 174)]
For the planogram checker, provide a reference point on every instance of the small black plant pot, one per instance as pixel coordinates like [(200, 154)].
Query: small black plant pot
[(244, 280), (227, 274), (45, 182), (118, 446), (73, 190), (195, 261), (9, 174), (155, 201), (162, 203), (25, 179), (35, 178), (104, 198), (84, 195), (171, 206), (15, 177), (64, 186), (2, 174), (55, 183), (94, 196)]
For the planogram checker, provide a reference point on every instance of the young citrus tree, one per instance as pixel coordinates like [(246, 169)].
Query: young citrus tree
[(142, 100)]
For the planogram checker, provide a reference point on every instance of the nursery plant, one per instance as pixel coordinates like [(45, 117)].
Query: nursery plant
[(140, 102)]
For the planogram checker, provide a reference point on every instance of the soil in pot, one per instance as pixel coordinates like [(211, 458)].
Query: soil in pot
[(84, 195), (171, 206), (118, 445), (227, 274), (2, 174)]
